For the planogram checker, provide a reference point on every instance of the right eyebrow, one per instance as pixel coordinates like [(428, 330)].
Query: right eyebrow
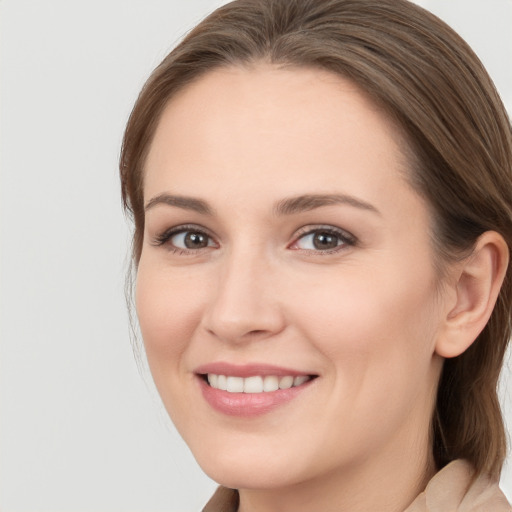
[(185, 202), (309, 202)]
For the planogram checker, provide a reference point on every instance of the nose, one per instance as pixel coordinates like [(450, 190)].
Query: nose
[(244, 306)]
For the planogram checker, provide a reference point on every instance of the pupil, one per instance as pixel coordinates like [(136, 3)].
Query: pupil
[(195, 241), (325, 241)]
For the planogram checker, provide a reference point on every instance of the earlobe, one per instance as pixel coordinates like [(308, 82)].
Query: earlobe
[(477, 285)]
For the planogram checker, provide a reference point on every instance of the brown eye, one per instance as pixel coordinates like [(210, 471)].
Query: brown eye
[(190, 240), (195, 240), (319, 241), (324, 240)]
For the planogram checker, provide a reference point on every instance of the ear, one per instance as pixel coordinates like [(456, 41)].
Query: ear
[(477, 282)]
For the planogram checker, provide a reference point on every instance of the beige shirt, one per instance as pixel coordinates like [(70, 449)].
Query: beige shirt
[(450, 490)]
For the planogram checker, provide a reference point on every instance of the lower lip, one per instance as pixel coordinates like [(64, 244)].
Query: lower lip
[(248, 404)]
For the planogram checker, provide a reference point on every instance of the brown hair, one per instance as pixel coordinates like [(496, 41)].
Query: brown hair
[(433, 84)]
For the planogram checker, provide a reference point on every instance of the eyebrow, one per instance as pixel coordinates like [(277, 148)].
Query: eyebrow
[(185, 202), (309, 202), (287, 206)]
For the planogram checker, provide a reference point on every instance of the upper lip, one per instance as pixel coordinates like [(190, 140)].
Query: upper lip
[(247, 370)]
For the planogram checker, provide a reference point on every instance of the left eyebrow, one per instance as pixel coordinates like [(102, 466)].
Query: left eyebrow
[(185, 202), (309, 202)]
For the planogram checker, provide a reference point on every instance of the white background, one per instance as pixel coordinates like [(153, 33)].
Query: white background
[(79, 429)]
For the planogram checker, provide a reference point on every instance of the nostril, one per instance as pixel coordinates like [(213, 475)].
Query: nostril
[(237, 322), (256, 332)]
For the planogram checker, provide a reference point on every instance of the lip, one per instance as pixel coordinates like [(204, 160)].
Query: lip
[(247, 370), (248, 405)]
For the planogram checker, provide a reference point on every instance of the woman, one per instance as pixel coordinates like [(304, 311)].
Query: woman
[(321, 192)]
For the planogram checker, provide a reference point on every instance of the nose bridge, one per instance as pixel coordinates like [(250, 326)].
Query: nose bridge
[(244, 304)]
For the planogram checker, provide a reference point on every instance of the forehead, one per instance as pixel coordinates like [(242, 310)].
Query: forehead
[(279, 129)]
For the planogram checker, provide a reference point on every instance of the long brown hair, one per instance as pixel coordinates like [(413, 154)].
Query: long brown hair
[(459, 135)]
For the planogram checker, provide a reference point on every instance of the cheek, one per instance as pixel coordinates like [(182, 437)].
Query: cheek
[(375, 327), (365, 308), (377, 333), (168, 310)]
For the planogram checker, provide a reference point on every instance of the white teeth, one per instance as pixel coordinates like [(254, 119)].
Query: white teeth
[(235, 384), (255, 384), (222, 382), (270, 383), (286, 382), (297, 381)]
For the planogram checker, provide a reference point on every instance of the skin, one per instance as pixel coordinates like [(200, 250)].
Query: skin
[(366, 318)]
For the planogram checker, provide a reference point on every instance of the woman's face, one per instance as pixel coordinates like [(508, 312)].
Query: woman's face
[(284, 247)]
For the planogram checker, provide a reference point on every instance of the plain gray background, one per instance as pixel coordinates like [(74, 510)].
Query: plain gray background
[(79, 428)]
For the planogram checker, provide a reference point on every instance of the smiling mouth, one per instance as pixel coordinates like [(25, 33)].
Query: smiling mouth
[(256, 383), (250, 390)]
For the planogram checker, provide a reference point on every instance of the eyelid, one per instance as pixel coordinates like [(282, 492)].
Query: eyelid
[(348, 239), (165, 236)]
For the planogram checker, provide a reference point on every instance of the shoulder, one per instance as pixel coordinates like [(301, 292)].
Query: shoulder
[(224, 500), (455, 489)]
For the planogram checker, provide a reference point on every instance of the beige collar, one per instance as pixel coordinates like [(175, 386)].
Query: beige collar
[(450, 490)]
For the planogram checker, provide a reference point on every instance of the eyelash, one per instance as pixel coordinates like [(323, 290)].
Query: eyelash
[(166, 236), (346, 239)]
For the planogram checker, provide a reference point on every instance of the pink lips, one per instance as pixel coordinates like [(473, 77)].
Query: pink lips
[(247, 404), (246, 370)]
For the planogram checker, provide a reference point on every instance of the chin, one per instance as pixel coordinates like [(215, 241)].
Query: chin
[(250, 474), (250, 464)]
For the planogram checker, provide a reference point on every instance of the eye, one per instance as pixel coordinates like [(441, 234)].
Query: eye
[(190, 240), (323, 239), (185, 239)]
